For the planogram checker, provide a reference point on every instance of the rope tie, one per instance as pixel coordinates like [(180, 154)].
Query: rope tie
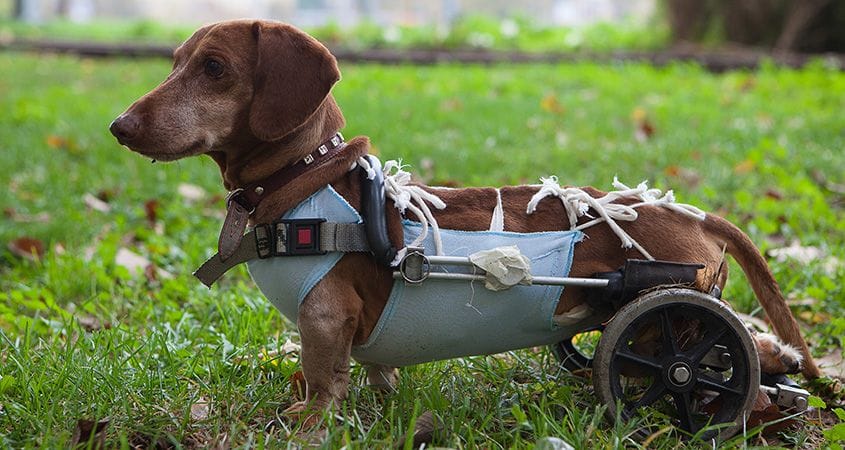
[(577, 203), (407, 196)]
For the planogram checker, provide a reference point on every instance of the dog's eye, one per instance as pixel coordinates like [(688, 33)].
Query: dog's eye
[(213, 68)]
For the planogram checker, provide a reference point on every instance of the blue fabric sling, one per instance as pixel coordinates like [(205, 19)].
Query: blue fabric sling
[(438, 319)]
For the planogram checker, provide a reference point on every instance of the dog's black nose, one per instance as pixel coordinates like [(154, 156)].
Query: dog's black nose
[(125, 127)]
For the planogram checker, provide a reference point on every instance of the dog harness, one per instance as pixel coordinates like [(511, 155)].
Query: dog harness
[(439, 319)]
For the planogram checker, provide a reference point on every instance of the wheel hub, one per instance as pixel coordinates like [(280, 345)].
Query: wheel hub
[(679, 375)]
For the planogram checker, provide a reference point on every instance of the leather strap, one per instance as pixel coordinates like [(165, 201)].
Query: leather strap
[(241, 202), (267, 241)]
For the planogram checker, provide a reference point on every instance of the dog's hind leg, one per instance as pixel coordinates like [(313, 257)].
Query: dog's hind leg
[(382, 378)]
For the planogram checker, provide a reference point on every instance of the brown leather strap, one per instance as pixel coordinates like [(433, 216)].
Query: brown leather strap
[(251, 195), (241, 202), (233, 229)]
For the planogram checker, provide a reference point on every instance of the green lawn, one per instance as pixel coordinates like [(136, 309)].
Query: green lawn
[(82, 337)]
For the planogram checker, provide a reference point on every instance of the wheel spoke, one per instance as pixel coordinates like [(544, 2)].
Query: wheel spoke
[(643, 361), (654, 393), (682, 404), (717, 385), (715, 332), (669, 345)]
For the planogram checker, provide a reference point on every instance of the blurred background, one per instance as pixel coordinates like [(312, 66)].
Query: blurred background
[(782, 25)]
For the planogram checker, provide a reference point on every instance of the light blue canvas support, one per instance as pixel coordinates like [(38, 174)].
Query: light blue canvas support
[(285, 281), (442, 319)]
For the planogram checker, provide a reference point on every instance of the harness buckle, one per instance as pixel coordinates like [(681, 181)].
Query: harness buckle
[(264, 240), (302, 236), (235, 196)]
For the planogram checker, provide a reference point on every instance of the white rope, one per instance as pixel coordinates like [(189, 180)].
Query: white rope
[(398, 187), (497, 222), (577, 203), (365, 164)]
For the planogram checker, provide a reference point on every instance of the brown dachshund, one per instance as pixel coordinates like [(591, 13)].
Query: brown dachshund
[(255, 97)]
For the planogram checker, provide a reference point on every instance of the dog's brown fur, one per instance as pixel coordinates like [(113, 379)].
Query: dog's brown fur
[(271, 105)]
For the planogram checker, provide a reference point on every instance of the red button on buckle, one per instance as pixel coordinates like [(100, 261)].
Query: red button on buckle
[(303, 237)]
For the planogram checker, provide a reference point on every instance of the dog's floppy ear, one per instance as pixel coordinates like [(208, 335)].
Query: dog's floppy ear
[(293, 75)]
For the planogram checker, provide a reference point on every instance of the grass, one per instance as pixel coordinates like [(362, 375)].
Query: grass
[(82, 337)]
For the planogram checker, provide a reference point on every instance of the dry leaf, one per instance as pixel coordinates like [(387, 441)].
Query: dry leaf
[(191, 192), (745, 167), (805, 255), (15, 216), (200, 410), (832, 364), (688, 176), (774, 194), (90, 434), (95, 203), (770, 414), (27, 248), (645, 130), (105, 195), (151, 211), (427, 427), (551, 104), (54, 141), (91, 323), (130, 260), (297, 385)]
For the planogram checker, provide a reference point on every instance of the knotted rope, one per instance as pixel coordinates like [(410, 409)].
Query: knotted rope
[(577, 203), (411, 197)]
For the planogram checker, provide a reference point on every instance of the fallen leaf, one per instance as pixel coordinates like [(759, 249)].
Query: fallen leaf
[(191, 192), (744, 167), (130, 260), (770, 414), (688, 176), (297, 385), (832, 364), (427, 427), (91, 323), (747, 84), (774, 194), (552, 443), (645, 130), (16, 216), (90, 434), (27, 247), (200, 410), (105, 195), (95, 203), (451, 105), (151, 211), (797, 252), (551, 104), (54, 141)]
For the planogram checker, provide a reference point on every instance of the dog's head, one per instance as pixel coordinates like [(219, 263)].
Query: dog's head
[(233, 83)]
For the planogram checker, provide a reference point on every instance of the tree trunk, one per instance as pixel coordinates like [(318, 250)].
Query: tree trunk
[(798, 33), (688, 19)]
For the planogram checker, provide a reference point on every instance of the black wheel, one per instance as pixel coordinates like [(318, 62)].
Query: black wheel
[(681, 353), (575, 353)]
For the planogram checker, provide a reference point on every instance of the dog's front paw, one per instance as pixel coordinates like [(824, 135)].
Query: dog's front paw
[(306, 415), (776, 357)]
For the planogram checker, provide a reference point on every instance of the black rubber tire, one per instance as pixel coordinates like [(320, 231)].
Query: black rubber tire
[(717, 324)]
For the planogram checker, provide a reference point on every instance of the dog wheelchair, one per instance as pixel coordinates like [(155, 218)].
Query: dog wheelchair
[(664, 348)]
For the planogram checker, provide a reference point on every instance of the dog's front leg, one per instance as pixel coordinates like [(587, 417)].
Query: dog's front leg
[(328, 318)]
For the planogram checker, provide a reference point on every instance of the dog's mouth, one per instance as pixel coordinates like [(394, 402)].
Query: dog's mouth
[(198, 147)]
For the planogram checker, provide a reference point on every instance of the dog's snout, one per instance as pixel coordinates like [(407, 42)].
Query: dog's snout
[(125, 127)]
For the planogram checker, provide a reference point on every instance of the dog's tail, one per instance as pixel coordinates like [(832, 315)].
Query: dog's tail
[(765, 287)]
